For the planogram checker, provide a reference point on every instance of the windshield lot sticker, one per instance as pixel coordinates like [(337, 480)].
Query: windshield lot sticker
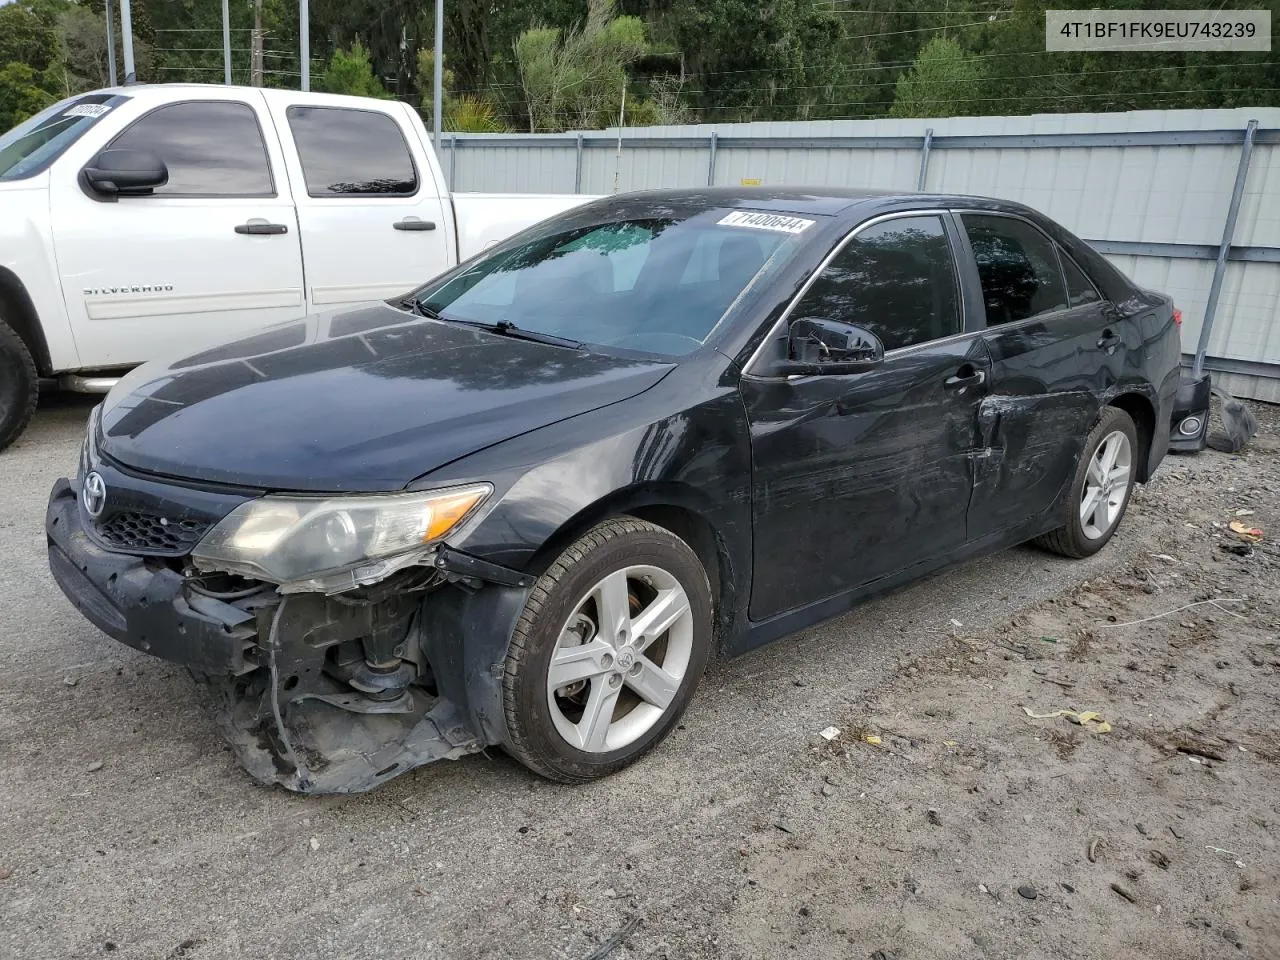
[(766, 221), (87, 110)]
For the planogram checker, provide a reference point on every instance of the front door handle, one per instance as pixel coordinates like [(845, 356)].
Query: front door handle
[(965, 378), (260, 228), (413, 223), (1109, 341)]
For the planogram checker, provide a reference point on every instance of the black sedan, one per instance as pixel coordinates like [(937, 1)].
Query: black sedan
[(525, 504)]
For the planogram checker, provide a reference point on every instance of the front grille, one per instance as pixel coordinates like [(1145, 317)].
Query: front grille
[(145, 532)]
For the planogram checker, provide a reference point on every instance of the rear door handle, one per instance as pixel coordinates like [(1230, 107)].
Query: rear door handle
[(413, 223), (962, 381), (260, 228)]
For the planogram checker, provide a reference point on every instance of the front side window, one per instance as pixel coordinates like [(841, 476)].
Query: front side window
[(211, 148), (34, 144), (1018, 268), (658, 285), (348, 153), (895, 278)]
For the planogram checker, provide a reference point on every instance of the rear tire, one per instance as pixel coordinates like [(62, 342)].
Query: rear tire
[(608, 651), (19, 385), (1096, 501)]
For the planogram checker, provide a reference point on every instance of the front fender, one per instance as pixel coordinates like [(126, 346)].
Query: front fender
[(29, 276)]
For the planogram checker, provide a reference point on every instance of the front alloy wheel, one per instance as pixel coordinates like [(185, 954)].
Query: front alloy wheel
[(608, 651)]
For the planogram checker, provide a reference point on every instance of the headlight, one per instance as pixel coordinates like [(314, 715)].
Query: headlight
[(290, 539)]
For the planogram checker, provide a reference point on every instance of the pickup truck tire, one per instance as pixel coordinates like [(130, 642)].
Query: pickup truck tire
[(1097, 500), (19, 385), (607, 653)]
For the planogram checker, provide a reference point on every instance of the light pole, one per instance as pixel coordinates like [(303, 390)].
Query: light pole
[(304, 37), (126, 32), (437, 106), (111, 47)]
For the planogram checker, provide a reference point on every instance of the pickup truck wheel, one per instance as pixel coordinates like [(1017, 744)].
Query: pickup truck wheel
[(606, 655), (1099, 494), (19, 385)]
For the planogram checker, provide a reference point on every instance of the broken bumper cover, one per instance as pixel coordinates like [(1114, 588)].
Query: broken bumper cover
[(287, 718), (142, 603)]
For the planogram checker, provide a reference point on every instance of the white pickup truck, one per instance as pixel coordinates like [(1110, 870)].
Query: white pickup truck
[(143, 220)]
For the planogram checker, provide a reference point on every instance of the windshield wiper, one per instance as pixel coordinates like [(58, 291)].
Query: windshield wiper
[(506, 328), (420, 308)]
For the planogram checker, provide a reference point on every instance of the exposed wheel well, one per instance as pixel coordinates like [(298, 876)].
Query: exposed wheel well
[(1143, 414), (686, 524), (17, 310)]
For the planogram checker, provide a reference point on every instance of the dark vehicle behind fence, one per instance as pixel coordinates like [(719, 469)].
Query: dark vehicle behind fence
[(524, 506)]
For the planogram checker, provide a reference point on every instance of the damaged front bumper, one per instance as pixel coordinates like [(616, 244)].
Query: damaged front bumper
[(317, 694)]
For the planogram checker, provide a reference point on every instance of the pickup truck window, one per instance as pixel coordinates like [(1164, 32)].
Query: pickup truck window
[(32, 145), (213, 148), (352, 153)]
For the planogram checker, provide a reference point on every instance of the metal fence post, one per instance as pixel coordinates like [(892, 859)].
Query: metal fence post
[(453, 162), (924, 158), (711, 161), (577, 172), (1228, 232)]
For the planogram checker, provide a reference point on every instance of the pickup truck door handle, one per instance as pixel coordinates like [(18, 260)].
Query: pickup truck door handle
[(965, 378), (413, 223), (1109, 341), (260, 228)]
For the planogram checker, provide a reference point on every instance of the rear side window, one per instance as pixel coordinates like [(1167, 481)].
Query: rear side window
[(352, 153), (1080, 290), (895, 278), (1018, 268), (212, 148)]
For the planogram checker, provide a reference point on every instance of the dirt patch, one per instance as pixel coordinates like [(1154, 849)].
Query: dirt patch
[(944, 821)]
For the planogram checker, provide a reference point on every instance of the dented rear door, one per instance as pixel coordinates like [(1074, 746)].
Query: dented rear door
[(1048, 368)]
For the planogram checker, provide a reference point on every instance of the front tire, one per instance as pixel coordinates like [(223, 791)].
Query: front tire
[(19, 385), (608, 651), (1099, 494)]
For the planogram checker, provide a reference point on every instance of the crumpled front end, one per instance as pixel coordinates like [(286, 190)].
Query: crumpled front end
[(320, 694)]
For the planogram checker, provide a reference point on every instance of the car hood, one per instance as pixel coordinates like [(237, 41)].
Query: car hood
[(358, 400)]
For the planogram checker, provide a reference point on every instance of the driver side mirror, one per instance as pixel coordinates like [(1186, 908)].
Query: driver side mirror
[(125, 173), (816, 346)]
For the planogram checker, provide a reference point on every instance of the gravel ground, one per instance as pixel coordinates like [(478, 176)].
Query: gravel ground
[(970, 829)]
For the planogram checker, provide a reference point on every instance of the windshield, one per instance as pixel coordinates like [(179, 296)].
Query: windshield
[(35, 143), (659, 285)]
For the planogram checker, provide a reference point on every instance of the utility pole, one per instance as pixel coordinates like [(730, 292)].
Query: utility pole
[(111, 46), (226, 43), (437, 106), (304, 38), (126, 32), (255, 45)]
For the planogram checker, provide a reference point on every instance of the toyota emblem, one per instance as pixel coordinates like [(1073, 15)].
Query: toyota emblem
[(94, 494)]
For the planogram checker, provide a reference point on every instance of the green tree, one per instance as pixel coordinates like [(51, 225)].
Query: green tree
[(575, 77), (350, 72), (941, 83), (21, 95)]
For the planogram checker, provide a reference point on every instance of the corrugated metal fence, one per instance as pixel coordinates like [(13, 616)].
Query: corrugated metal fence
[(1153, 190)]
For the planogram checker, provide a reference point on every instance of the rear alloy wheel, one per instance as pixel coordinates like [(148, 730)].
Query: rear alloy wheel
[(1100, 491), (608, 651), (19, 385)]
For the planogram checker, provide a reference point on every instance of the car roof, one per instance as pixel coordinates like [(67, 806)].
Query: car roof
[(818, 201)]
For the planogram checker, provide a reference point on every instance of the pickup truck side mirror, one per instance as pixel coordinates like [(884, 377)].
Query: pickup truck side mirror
[(125, 173), (817, 346)]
